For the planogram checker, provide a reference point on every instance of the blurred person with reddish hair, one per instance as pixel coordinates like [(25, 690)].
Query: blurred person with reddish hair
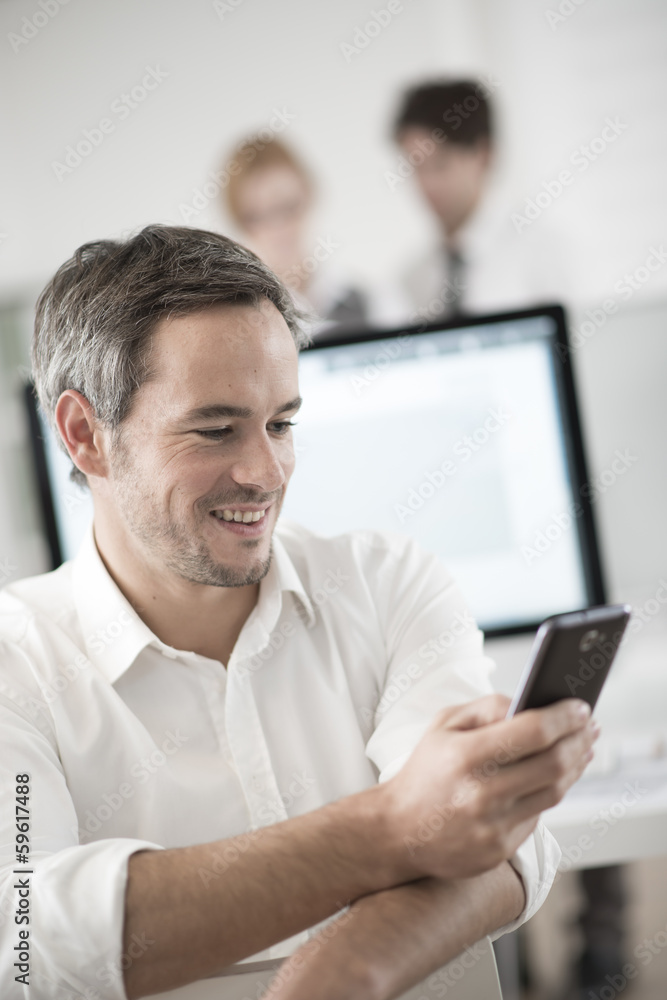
[(270, 197)]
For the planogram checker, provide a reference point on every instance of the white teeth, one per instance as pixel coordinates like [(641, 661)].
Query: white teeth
[(244, 516)]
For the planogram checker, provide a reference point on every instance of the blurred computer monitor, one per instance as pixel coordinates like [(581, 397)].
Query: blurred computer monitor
[(465, 435)]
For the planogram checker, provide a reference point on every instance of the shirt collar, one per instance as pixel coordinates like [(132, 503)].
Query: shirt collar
[(113, 632), (479, 233)]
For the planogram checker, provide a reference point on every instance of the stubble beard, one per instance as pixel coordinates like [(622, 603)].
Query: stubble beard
[(168, 542)]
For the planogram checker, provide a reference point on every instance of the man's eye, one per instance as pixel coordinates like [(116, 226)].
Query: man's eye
[(282, 426), (215, 435)]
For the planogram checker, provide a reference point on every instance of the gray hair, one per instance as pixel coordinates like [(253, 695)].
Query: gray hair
[(95, 318)]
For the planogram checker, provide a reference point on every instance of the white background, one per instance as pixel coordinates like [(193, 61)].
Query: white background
[(554, 85)]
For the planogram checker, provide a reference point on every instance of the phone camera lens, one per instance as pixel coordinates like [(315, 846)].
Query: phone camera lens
[(588, 640)]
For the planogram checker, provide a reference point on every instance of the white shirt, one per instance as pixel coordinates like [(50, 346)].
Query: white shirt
[(502, 269), (131, 744)]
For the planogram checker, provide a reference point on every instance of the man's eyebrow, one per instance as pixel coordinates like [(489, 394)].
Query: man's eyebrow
[(216, 411)]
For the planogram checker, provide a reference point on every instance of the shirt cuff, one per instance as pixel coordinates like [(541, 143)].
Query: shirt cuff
[(77, 916), (536, 862)]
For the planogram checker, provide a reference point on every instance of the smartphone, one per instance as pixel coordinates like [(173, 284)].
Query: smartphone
[(571, 657)]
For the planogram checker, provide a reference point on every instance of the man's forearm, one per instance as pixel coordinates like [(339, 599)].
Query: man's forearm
[(393, 939), (206, 907), (210, 905)]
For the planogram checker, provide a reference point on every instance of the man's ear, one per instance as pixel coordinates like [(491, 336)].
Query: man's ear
[(82, 433)]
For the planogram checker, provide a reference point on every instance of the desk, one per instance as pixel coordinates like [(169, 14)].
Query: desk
[(617, 812), (471, 976)]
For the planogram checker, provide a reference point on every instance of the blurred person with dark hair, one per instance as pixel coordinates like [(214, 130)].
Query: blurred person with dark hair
[(483, 263), (270, 197), (480, 263)]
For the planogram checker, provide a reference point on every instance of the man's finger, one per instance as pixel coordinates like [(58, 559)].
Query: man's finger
[(560, 765), (532, 731), (481, 712)]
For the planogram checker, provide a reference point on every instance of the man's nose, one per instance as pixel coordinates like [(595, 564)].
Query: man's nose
[(258, 465)]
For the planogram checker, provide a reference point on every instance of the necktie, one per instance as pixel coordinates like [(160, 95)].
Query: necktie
[(454, 286)]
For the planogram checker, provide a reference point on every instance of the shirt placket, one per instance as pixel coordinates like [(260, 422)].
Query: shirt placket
[(246, 737), (248, 745)]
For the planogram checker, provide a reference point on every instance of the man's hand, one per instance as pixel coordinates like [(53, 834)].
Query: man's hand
[(474, 787)]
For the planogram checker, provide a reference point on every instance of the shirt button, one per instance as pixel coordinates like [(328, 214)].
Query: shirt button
[(257, 783)]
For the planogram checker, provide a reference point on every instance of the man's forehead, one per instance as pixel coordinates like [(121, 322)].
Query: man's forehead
[(223, 321), (220, 336), (224, 357)]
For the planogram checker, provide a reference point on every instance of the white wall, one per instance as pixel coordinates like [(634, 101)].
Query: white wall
[(225, 75)]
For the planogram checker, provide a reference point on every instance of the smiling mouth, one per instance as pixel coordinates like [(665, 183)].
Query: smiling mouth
[(240, 516)]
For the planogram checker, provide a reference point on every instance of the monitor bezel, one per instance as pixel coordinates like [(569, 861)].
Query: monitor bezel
[(575, 450), (42, 476)]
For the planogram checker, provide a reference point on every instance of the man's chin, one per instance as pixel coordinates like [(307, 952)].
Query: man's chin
[(245, 572)]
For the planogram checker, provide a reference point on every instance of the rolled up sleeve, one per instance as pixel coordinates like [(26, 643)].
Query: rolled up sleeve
[(435, 660), (75, 893)]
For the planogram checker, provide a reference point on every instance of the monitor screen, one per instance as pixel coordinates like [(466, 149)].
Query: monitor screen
[(465, 436)]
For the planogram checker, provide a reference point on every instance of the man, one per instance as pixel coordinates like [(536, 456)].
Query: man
[(479, 262), (196, 700)]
